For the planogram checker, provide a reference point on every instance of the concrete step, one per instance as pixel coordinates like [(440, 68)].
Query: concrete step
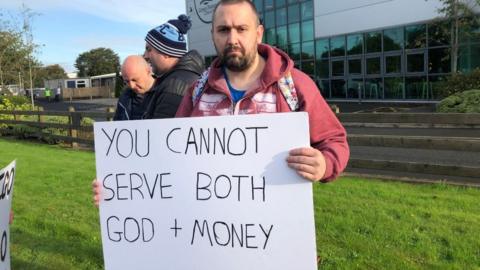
[(470, 144), (412, 177), (416, 167)]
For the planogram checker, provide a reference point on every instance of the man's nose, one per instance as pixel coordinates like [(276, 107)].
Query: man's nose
[(232, 38)]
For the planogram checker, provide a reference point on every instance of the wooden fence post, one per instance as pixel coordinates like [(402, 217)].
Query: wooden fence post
[(110, 110), (41, 117), (74, 125)]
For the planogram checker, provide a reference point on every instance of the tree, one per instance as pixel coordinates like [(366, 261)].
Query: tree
[(463, 18), (96, 62), (50, 72)]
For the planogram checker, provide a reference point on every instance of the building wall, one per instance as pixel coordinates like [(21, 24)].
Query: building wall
[(348, 16)]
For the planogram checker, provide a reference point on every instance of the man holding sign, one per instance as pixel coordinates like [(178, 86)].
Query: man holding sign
[(250, 78)]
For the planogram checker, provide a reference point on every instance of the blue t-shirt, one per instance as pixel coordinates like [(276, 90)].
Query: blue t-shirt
[(236, 94)]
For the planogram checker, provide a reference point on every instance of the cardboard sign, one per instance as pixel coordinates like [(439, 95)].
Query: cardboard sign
[(7, 176), (205, 193)]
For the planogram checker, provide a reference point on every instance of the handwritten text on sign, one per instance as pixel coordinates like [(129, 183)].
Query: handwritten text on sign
[(205, 193), (7, 176)]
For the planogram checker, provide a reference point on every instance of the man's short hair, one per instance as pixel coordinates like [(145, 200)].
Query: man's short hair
[(231, 2)]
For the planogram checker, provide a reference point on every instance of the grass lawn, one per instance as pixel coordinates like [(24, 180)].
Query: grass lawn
[(361, 224)]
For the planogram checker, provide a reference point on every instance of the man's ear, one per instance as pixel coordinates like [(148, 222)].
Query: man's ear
[(260, 31)]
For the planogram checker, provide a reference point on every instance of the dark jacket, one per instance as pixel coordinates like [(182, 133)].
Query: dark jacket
[(163, 99)]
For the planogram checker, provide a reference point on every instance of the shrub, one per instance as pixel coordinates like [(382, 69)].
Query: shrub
[(459, 82), (464, 102)]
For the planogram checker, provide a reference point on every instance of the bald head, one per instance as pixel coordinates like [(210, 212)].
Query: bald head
[(136, 73)]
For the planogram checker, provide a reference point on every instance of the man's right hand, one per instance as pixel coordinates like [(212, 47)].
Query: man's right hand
[(97, 192)]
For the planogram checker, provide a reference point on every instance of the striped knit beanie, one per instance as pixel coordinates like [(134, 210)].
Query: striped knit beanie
[(169, 38)]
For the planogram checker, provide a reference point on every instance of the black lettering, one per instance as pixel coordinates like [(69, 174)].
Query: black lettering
[(267, 234), (137, 226), (203, 187), (244, 143), (110, 139), (228, 183), (137, 188), (3, 246), (120, 187), (238, 237), (205, 140), (131, 143), (152, 229), (218, 236), (191, 140), (148, 143), (262, 188), (221, 141), (168, 141), (256, 136), (107, 188), (9, 180), (151, 191), (119, 234), (239, 177), (164, 186), (247, 236), (201, 231)]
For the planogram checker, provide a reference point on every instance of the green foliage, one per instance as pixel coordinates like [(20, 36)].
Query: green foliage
[(464, 102), (97, 62), (51, 72), (459, 82)]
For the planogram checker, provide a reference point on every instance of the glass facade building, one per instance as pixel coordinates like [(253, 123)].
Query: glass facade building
[(402, 63)]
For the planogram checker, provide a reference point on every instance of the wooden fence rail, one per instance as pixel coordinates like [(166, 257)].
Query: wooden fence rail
[(70, 127)]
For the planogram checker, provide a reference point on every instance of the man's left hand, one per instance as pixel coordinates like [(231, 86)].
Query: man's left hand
[(308, 162)]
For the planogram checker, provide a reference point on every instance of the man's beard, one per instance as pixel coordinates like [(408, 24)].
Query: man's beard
[(234, 62)]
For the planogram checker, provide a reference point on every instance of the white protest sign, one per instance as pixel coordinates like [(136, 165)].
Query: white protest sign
[(7, 176), (205, 193)]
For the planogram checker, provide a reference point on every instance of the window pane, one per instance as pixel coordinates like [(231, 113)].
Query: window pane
[(321, 48), (415, 63), (338, 68), (373, 42), (439, 34), (294, 51), (355, 88), (415, 36), (338, 88), (270, 36), (268, 4), (307, 31), (307, 10), (308, 67), (394, 88), (337, 46), (308, 50), (435, 86), (279, 3), (354, 44), (269, 20), (323, 70), (416, 88), (469, 57), (439, 60), (393, 39), (393, 64), (292, 1), (293, 13), (281, 16), (282, 36), (373, 65), (258, 5), (373, 88), (355, 66), (294, 33), (324, 87)]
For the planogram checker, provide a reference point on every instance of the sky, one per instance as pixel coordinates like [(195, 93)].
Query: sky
[(66, 28)]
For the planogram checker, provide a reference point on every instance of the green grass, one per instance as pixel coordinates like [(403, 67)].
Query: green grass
[(361, 224)]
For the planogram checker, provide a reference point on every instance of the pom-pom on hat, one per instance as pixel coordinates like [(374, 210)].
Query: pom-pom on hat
[(169, 38)]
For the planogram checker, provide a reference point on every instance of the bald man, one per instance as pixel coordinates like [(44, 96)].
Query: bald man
[(146, 97)]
